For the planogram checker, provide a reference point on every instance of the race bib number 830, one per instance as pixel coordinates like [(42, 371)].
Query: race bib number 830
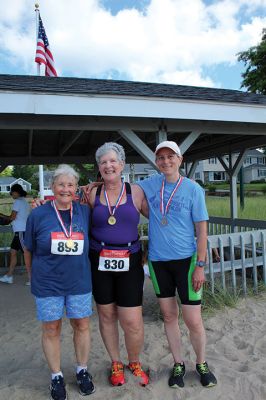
[(61, 245), (114, 260)]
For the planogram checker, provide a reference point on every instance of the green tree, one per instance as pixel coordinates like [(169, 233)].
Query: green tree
[(27, 172), (254, 78), (8, 171)]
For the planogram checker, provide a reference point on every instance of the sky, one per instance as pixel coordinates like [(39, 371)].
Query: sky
[(185, 42)]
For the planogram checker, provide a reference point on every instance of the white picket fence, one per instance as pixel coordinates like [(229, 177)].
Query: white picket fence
[(242, 254)]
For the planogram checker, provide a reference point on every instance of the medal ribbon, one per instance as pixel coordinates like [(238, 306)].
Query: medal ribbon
[(118, 201), (163, 210), (68, 234)]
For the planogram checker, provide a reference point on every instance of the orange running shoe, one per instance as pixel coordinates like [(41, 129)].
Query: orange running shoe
[(117, 377), (136, 369)]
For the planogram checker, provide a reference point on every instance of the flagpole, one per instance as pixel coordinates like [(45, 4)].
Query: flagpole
[(37, 30), (41, 186)]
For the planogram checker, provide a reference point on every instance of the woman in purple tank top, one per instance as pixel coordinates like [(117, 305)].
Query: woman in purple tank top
[(115, 254)]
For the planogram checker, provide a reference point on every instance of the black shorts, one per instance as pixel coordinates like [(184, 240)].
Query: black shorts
[(123, 288), (18, 241), (167, 276)]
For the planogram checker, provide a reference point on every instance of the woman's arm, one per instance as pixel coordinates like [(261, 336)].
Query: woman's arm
[(139, 200), (10, 217)]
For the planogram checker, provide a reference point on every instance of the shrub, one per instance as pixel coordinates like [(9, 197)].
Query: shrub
[(258, 181), (199, 181), (211, 188)]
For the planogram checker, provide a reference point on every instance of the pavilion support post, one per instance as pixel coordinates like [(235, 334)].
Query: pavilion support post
[(192, 169), (138, 145), (232, 170), (161, 135)]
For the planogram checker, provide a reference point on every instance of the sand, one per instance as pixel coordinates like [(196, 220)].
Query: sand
[(236, 352)]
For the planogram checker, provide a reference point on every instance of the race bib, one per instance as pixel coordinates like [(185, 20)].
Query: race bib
[(61, 245), (114, 260)]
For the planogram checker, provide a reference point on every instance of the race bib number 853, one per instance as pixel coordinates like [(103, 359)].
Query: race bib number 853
[(61, 245)]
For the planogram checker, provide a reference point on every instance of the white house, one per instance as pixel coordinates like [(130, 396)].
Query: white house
[(135, 172), (211, 170), (7, 181)]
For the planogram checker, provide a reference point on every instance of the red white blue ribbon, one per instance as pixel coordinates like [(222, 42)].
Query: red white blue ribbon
[(164, 210), (117, 204), (68, 234)]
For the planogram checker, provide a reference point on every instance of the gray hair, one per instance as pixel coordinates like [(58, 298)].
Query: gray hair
[(64, 169), (110, 146)]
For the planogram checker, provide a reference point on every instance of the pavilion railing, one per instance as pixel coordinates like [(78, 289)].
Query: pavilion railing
[(241, 246)]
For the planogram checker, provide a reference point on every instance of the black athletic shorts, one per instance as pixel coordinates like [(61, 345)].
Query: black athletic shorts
[(18, 241), (167, 276), (123, 288)]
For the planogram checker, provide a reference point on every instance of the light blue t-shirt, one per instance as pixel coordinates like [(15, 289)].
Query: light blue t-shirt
[(175, 240)]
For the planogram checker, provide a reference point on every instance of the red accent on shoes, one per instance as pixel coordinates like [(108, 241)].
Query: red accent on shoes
[(136, 369), (117, 377)]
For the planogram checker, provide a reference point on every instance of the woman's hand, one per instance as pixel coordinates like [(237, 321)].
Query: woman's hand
[(37, 202), (86, 191)]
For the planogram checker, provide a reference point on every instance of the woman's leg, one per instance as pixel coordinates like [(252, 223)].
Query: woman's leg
[(13, 262), (131, 322), (81, 339), (108, 324), (51, 332), (170, 311)]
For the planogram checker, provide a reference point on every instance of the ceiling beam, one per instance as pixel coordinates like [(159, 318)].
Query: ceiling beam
[(67, 146)]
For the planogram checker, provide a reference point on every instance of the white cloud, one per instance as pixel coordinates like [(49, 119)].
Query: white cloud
[(172, 41)]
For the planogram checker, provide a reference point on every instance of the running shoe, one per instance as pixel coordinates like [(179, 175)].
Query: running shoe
[(6, 279), (177, 375), (57, 388), (85, 384), (117, 377), (136, 369), (207, 378)]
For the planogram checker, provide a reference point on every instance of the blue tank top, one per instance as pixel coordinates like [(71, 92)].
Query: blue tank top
[(125, 230)]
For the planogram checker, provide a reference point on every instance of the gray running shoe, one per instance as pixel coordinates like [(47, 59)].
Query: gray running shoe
[(207, 379), (177, 375)]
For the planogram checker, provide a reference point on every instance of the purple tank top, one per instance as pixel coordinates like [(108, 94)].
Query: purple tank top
[(123, 232)]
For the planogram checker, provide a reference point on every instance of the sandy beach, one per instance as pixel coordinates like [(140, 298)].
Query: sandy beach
[(236, 352)]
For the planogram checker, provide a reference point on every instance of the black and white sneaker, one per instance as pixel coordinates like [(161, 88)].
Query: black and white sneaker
[(207, 378), (57, 388), (177, 375), (85, 384)]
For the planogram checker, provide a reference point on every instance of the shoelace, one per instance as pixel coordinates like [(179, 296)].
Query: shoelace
[(203, 368), (136, 369), (117, 368), (177, 370)]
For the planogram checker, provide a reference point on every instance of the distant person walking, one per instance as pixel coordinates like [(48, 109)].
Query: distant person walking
[(18, 219)]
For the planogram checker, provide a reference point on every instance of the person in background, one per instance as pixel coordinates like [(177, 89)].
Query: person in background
[(56, 253), (177, 212), (18, 218)]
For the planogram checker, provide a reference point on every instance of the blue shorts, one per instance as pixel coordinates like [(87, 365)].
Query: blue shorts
[(52, 308)]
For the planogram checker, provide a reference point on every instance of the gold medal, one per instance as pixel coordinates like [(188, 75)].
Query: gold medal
[(111, 220), (70, 243)]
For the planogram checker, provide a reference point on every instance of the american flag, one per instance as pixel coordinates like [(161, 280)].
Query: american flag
[(43, 52)]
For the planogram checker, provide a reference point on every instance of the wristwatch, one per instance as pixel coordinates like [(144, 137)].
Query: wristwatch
[(201, 263)]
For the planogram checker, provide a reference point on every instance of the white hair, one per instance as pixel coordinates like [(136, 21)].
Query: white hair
[(110, 146), (64, 169)]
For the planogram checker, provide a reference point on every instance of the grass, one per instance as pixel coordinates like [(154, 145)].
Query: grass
[(254, 207), (226, 298), (247, 186)]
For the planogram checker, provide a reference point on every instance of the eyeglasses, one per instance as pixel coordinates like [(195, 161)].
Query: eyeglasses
[(169, 157)]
